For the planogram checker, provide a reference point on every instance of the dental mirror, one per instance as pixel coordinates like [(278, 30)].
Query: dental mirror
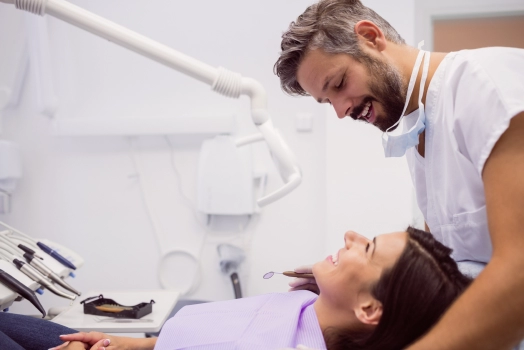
[(289, 274)]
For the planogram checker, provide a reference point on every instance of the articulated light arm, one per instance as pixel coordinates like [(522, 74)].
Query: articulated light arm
[(221, 80)]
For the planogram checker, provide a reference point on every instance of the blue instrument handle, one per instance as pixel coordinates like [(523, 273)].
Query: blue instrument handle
[(56, 255)]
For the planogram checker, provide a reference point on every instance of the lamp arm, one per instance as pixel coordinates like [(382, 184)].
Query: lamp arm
[(221, 80)]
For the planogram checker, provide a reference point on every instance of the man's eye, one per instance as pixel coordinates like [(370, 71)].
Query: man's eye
[(367, 247), (340, 85)]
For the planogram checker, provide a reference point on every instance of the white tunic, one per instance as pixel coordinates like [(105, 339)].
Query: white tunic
[(469, 103)]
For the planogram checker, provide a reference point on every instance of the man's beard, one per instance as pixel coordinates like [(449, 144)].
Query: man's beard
[(387, 88)]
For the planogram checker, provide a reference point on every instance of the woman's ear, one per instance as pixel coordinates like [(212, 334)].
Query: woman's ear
[(371, 35), (369, 312)]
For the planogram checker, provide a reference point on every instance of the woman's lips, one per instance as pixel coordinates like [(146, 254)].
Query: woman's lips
[(333, 259)]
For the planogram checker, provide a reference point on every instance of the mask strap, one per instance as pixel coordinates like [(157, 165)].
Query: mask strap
[(423, 78), (421, 90), (411, 85)]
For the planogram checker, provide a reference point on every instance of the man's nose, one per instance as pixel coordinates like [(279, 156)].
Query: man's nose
[(340, 108)]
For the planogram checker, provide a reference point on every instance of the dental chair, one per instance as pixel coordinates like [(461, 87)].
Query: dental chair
[(179, 305)]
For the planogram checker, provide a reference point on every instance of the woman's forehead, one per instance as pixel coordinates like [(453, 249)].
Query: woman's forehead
[(388, 248)]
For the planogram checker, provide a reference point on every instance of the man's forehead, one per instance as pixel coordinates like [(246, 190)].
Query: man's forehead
[(318, 64), (315, 71)]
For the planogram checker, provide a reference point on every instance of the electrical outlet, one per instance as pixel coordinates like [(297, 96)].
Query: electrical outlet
[(304, 122)]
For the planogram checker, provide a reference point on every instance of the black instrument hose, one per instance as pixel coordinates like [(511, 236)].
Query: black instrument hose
[(236, 285)]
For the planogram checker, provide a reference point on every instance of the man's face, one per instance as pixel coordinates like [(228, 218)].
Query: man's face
[(370, 90)]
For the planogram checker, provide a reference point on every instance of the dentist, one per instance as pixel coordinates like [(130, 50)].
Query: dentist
[(462, 120)]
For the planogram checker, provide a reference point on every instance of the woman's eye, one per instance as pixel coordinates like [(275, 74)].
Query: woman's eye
[(367, 247)]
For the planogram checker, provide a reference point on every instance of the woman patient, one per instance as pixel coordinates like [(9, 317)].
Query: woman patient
[(374, 294)]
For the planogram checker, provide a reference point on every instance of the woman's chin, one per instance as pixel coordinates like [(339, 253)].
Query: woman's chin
[(317, 267)]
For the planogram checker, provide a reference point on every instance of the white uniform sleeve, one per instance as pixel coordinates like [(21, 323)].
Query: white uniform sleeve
[(489, 92)]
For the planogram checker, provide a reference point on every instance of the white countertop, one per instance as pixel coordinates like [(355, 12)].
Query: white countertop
[(165, 301)]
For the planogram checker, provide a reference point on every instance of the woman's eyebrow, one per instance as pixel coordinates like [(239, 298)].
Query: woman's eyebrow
[(374, 246)]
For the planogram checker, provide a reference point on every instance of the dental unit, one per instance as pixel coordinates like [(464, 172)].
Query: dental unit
[(26, 238), (22, 279), (32, 273), (34, 268)]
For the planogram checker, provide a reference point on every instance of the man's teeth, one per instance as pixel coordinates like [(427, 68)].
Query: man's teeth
[(334, 258), (366, 110)]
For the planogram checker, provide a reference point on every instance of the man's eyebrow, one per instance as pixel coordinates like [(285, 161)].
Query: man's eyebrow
[(374, 246), (326, 83), (325, 86)]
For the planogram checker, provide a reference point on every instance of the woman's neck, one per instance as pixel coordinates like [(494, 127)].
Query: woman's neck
[(332, 317)]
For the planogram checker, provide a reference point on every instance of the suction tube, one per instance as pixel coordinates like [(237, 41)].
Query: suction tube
[(18, 287)]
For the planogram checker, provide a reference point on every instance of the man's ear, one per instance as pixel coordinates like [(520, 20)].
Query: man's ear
[(371, 35), (369, 311)]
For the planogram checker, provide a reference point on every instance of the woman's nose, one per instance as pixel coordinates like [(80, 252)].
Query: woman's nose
[(351, 237)]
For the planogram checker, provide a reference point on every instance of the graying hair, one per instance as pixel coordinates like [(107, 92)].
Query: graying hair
[(330, 26)]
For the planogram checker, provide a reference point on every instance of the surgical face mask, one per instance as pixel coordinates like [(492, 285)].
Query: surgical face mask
[(397, 145)]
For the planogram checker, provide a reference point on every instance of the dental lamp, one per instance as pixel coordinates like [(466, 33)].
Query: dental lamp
[(221, 80)]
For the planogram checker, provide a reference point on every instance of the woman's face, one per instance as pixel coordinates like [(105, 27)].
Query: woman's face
[(350, 273)]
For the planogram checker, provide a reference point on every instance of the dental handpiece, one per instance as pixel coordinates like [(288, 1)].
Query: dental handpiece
[(47, 272), (18, 287), (37, 277)]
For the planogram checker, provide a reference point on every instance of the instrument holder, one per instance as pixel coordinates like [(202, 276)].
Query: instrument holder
[(134, 311)]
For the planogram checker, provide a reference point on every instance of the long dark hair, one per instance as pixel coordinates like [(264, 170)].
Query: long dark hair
[(414, 294)]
